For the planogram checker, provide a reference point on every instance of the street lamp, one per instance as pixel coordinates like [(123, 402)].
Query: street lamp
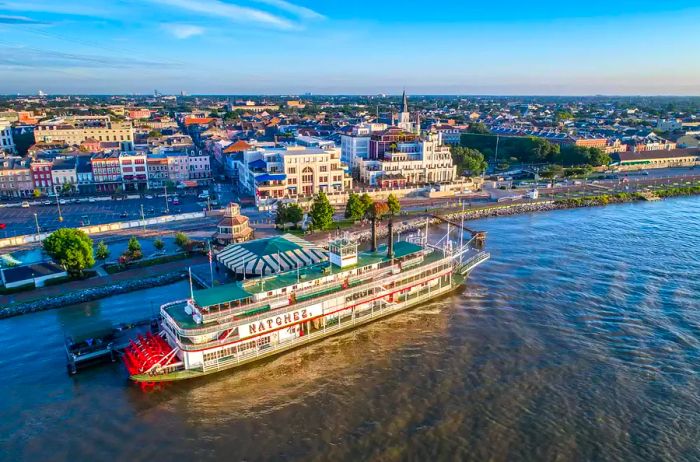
[(165, 189), (36, 220), (58, 205)]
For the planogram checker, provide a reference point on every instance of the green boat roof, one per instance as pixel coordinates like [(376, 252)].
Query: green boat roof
[(240, 290), (218, 294)]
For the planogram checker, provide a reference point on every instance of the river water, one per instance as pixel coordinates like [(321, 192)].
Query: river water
[(578, 340)]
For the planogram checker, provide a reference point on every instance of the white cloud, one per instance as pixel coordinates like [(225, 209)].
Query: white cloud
[(183, 31), (230, 11), (301, 11)]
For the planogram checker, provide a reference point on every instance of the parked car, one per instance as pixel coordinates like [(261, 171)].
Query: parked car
[(62, 201), (148, 196), (91, 199), (25, 204), (124, 214), (46, 202)]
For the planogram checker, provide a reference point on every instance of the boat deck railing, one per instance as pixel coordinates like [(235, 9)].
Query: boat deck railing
[(384, 285), (380, 309), (386, 277), (209, 316)]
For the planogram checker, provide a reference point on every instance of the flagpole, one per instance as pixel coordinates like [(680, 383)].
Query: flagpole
[(189, 269)]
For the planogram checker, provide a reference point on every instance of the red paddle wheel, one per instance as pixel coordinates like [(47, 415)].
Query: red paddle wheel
[(146, 352)]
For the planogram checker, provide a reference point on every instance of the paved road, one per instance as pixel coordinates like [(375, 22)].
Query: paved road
[(19, 221)]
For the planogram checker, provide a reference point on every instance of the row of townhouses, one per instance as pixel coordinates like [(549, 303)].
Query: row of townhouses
[(102, 172)]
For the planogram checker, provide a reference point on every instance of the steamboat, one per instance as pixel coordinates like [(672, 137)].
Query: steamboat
[(300, 294)]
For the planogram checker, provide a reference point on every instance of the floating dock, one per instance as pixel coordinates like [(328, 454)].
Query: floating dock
[(100, 342)]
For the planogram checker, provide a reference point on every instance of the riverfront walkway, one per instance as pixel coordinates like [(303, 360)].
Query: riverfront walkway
[(124, 276)]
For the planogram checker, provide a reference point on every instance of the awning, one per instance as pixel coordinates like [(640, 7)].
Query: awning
[(259, 163), (270, 177), (271, 255)]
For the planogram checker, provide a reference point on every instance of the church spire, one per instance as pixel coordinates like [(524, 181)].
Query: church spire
[(405, 101)]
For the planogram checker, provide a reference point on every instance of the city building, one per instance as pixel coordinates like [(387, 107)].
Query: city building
[(251, 106), (199, 166), (650, 142), (641, 160), (15, 177), (291, 171), (74, 130), (64, 175), (106, 172), (387, 140), (132, 168), (83, 170), (157, 169), (178, 167), (415, 162), (451, 134), (140, 114), (355, 144), (7, 143), (41, 175)]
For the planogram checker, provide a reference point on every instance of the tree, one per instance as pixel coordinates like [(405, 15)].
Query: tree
[(158, 244), (133, 249), (155, 134), (478, 128), (289, 213), (67, 188), (321, 212), (377, 211), (552, 171), (582, 155), (181, 240), (469, 160), (393, 204), (36, 193), (134, 245), (354, 209), (367, 202), (294, 213), (102, 252), (281, 215), (72, 248)]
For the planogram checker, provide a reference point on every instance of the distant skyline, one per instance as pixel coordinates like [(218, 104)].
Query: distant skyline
[(544, 48)]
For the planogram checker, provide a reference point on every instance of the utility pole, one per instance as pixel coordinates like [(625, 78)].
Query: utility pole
[(36, 220), (495, 157)]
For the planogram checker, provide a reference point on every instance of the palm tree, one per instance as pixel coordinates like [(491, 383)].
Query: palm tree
[(375, 213)]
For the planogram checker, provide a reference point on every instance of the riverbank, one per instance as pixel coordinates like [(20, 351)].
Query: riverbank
[(91, 294), (73, 292), (362, 233)]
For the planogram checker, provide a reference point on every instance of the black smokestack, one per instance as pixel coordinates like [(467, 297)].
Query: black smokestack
[(390, 253), (374, 234)]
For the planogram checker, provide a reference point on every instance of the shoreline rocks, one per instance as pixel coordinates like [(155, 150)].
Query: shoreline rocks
[(90, 294)]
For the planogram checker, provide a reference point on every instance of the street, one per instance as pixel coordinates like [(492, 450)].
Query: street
[(21, 221)]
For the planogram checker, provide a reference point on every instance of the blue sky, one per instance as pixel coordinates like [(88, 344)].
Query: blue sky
[(297, 46)]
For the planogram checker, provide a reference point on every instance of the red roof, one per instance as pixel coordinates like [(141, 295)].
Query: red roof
[(238, 146), (198, 120)]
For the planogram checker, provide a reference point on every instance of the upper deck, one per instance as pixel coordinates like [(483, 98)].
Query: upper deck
[(245, 299)]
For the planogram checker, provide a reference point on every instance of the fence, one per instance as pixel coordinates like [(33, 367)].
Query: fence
[(95, 229)]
